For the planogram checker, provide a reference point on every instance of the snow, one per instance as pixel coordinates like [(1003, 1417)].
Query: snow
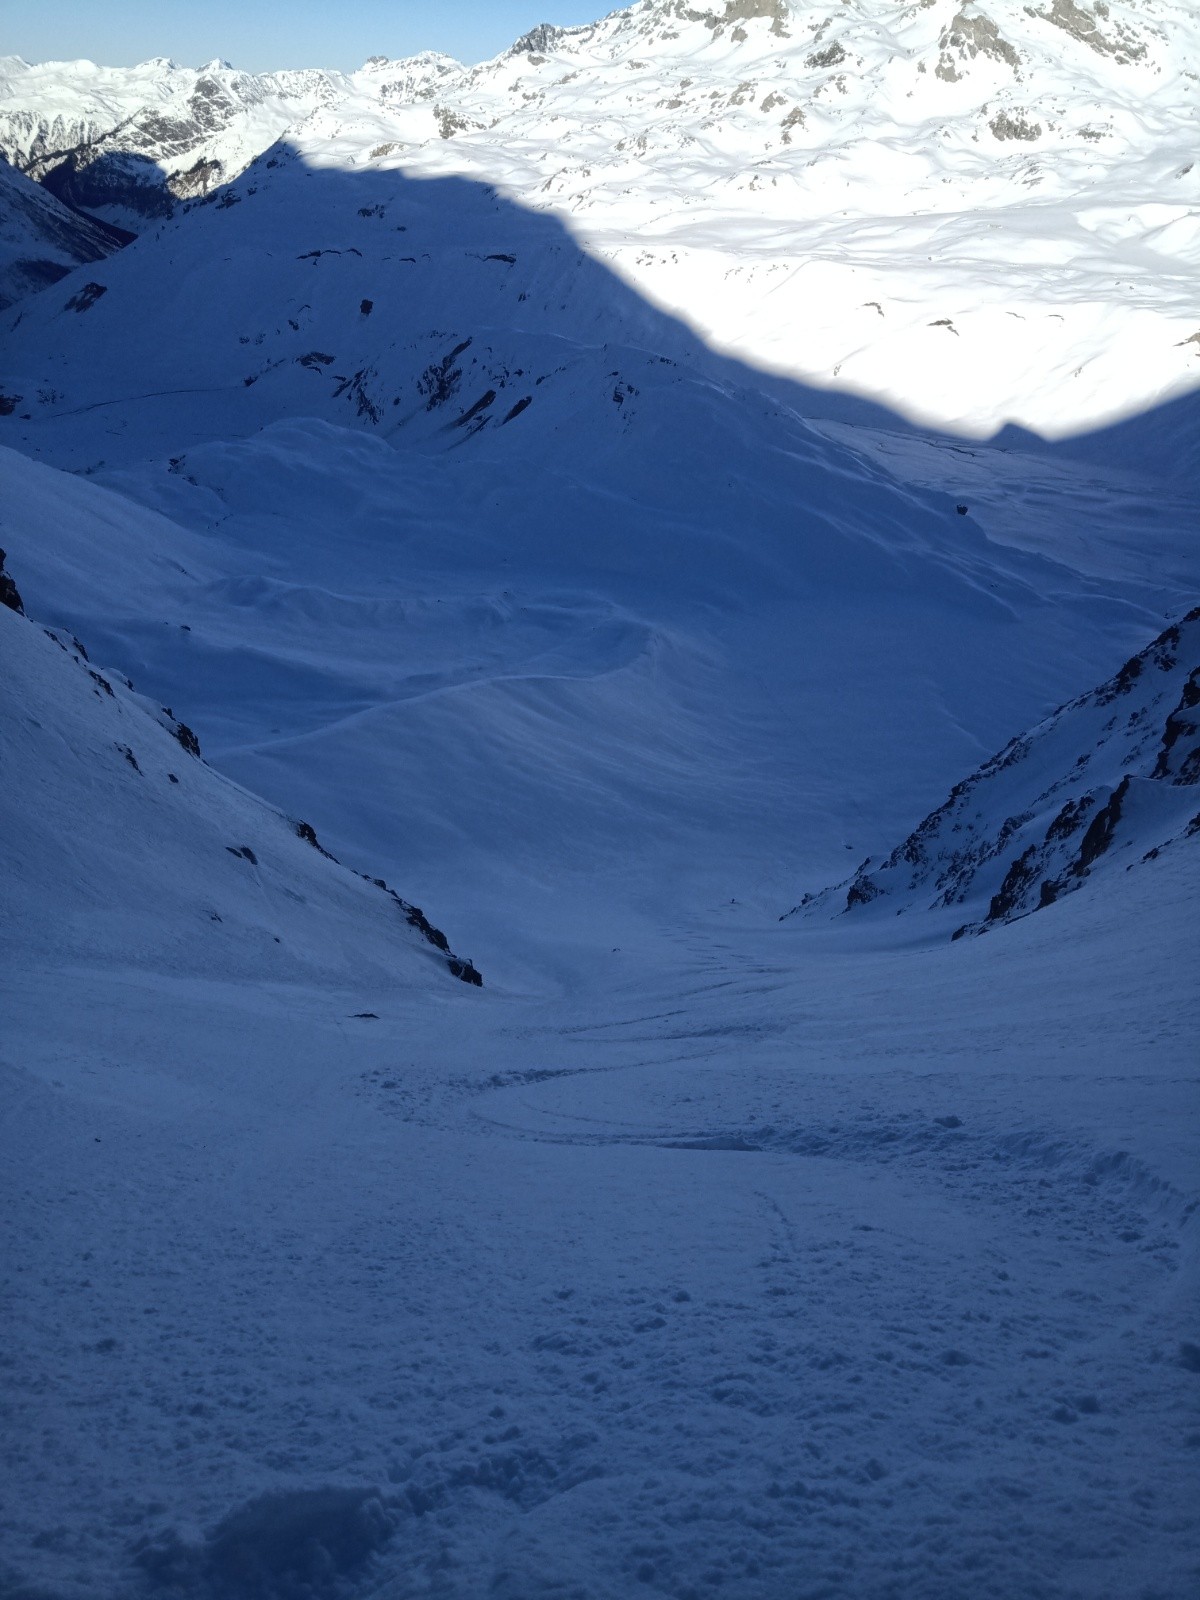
[(1107, 780), (220, 883), (802, 1269), (40, 240), (698, 1251), (821, 191)]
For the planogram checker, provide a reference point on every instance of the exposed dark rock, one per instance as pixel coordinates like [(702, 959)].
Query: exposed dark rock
[(1100, 832), (1050, 846), (1179, 766), (306, 831), (440, 381), (1070, 818), (1004, 126), (416, 918), (1084, 26), (522, 404), (861, 892), (538, 41), (475, 410), (972, 33), (186, 738), (356, 388), (1016, 880), (87, 297), (9, 595)]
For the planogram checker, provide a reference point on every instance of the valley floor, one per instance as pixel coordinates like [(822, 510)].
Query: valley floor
[(804, 1261)]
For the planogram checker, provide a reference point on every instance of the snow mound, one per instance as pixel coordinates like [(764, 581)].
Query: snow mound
[(1108, 780), (120, 839)]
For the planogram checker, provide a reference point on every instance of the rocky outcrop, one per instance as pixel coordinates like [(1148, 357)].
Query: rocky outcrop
[(1110, 778)]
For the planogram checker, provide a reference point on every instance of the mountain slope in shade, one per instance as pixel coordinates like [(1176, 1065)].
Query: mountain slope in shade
[(972, 215), (41, 240), (1109, 780), (591, 609), (121, 843)]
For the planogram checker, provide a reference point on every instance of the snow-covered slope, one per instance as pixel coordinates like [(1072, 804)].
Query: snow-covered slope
[(1108, 781), (972, 213), (514, 556), (702, 1253), (786, 1253), (40, 240), (119, 838)]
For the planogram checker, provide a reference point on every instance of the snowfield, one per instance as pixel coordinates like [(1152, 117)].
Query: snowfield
[(599, 508)]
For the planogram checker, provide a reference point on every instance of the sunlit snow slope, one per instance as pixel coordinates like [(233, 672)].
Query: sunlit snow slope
[(973, 213)]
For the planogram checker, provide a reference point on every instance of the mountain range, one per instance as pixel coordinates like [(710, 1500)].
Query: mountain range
[(973, 216), (582, 501)]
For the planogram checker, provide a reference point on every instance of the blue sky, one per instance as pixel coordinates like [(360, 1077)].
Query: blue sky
[(303, 33)]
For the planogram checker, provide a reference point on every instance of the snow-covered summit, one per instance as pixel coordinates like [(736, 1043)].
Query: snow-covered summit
[(409, 77), (928, 203), (127, 143)]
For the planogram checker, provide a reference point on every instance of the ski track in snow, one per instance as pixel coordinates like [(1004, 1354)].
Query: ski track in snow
[(840, 1290)]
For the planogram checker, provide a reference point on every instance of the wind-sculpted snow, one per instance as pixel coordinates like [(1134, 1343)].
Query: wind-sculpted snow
[(1110, 780)]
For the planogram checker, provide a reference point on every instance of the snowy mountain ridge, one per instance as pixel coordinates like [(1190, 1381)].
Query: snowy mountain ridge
[(129, 144), (971, 214)]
